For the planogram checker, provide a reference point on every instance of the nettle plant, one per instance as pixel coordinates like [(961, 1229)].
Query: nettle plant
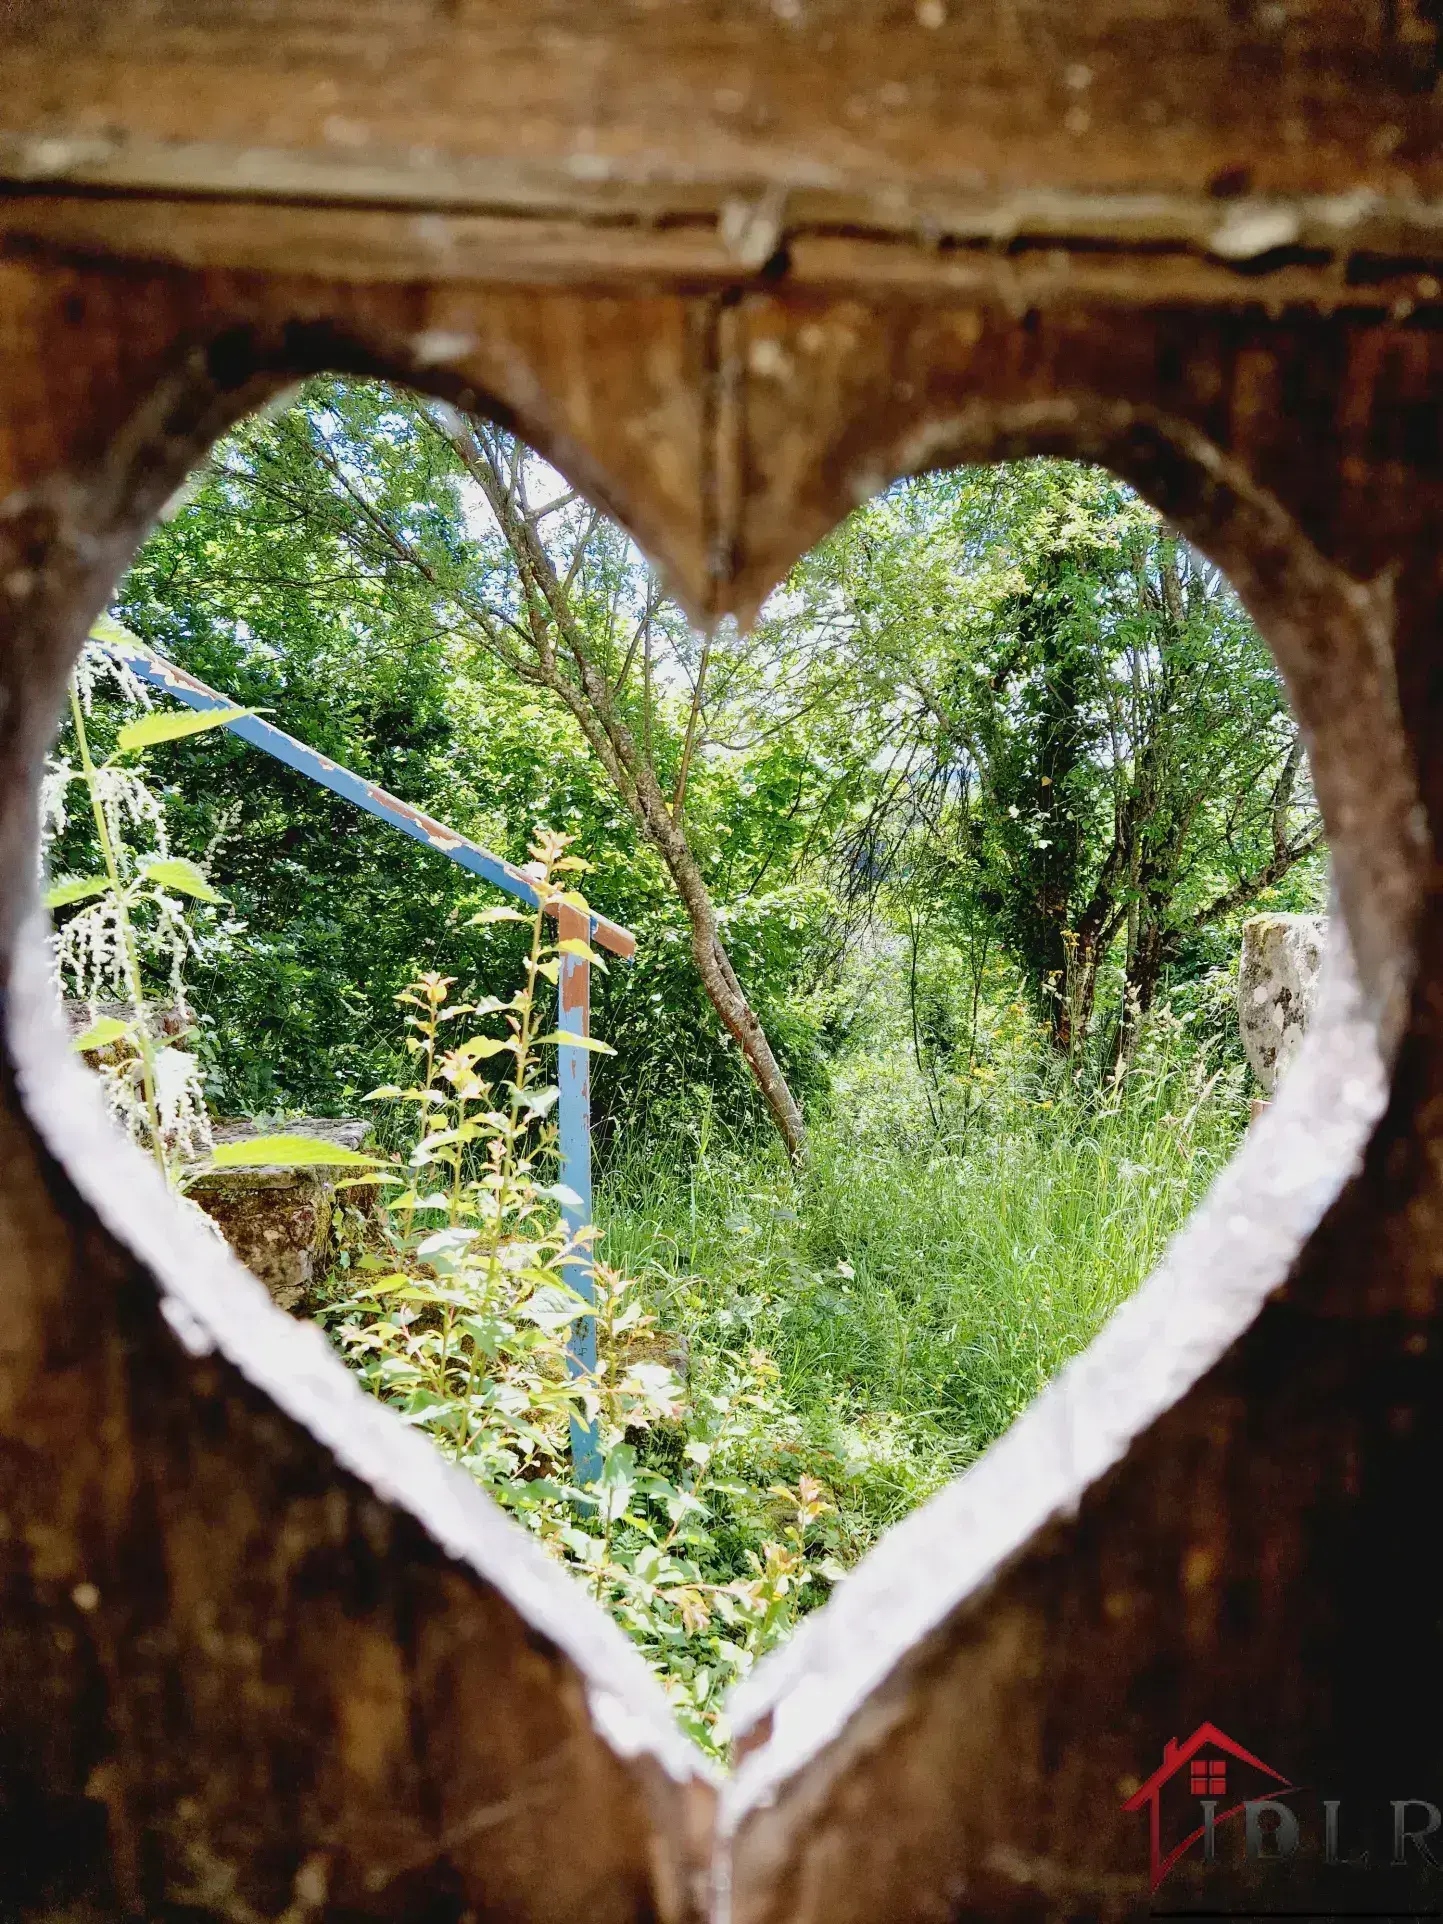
[(124, 948), (460, 1318)]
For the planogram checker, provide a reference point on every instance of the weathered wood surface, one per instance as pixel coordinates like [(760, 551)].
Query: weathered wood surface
[(260, 1654), (672, 137)]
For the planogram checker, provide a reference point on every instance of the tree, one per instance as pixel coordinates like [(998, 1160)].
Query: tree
[(1084, 715), (370, 498), (1006, 705)]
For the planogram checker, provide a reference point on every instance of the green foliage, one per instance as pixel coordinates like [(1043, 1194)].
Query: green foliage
[(922, 1281), (172, 727), (458, 1316), (979, 806), (256, 584), (130, 934), (1004, 706), (1095, 749)]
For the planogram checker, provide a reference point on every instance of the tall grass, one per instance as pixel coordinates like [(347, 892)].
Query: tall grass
[(923, 1279)]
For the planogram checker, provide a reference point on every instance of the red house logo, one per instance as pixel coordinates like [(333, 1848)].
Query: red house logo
[(1209, 1766)]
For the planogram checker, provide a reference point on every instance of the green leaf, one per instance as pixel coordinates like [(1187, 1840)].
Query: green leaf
[(553, 1308), (75, 889), (436, 1200), (451, 1241), (496, 914), (613, 1488), (573, 945), (558, 1039), (584, 1547), (537, 1490), (287, 1152), (101, 1034), (175, 872), (481, 1047), (488, 1333), (114, 634), (173, 725)]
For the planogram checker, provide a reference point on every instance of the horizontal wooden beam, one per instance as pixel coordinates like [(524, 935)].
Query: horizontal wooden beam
[(1380, 259), (865, 98)]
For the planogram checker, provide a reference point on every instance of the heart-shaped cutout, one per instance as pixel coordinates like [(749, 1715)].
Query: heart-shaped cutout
[(212, 1382)]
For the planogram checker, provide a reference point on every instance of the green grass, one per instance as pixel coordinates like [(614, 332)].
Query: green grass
[(922, 1281)]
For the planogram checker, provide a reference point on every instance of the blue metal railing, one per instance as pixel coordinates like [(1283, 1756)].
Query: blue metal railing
[(573, 1108)]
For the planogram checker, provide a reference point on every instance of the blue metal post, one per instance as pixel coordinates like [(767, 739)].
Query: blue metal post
[(573, 1108)]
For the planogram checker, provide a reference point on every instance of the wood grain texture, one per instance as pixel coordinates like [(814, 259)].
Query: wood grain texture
[(1111, 145), (261, 1652), (852, 98)]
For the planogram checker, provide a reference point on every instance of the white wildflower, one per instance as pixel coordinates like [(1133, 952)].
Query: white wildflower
[(133, 925), (180, 1100), (89, 953), (54, 789), (126, 799), (97, 664)]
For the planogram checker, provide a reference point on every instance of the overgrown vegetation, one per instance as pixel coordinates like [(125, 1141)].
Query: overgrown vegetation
[(921, 1283), (937, 879), (464, 1297), (130, 933)]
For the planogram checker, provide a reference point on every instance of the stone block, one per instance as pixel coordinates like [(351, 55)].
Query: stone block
[(1277, 979), (167, 1019), (277, 1220)]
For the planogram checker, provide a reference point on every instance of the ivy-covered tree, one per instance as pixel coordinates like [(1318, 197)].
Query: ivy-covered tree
[(1091, 737)]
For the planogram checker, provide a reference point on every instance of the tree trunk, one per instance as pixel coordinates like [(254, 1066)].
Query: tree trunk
[(587, 693), (718, 977), (729, 999), (635, 781), (1139, 987)]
